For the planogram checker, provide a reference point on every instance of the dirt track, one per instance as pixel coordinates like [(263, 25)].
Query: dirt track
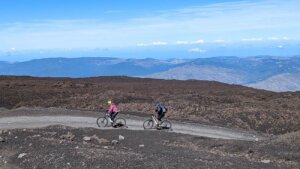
[(74, 119)]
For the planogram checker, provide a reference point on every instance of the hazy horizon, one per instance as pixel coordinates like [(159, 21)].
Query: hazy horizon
[(24, 57)]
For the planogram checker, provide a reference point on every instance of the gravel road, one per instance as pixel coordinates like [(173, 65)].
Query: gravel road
[(42, 117)]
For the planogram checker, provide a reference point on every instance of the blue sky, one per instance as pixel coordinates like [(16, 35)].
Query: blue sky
[(161, 28)]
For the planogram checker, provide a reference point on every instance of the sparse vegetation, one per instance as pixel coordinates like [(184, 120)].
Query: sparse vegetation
[(206, 102)]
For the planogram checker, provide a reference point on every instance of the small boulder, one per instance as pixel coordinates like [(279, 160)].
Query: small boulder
[(100, 140), (250, 151), (2, 139), (114, 142), (69, 136), (87, 138), (141, 145), (22, 155), (121, 137), (266, 161)]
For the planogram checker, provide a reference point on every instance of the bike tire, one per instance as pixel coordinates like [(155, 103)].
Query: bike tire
[(120, 121), (148, 124), (166, 124), (102, 122)]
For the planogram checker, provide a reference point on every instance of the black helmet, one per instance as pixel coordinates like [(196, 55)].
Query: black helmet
[(157, 104)]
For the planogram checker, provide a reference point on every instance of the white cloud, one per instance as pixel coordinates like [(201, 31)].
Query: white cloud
[(159, 43), (285, 38), (200, 41), (155, 43), (142, 44), (273, 38), (196, 50), (251, 39), (179, 42), (278, 38), (219, 41)]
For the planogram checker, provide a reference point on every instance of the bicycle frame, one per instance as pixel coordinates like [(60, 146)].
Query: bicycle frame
[(117, 120), (107, 116), (155, 119)]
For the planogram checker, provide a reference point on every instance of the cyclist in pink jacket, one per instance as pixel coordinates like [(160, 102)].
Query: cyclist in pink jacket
[(112, 111)]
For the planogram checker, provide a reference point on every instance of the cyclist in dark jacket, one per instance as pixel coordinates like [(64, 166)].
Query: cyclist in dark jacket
[(161, 111)]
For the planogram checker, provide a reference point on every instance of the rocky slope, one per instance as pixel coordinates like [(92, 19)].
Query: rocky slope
[(65, 147)]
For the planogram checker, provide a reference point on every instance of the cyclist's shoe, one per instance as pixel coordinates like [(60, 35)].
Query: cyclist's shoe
[(110, 120), (159, 127)]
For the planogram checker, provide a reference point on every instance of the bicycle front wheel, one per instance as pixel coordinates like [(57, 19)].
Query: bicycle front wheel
[(166, 124), (120, 121), (148, 124), (102, 122)]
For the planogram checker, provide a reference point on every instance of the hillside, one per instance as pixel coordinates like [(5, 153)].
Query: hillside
[(85, 67), (280, 83), (205, 102), (259, 72), (188, 72)]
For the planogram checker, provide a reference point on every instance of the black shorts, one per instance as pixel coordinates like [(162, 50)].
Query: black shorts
[(160, 116)]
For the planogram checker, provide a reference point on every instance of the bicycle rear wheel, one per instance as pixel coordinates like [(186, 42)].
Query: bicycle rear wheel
[(148, 124), (120, 121), (102, 122), (166, 124)]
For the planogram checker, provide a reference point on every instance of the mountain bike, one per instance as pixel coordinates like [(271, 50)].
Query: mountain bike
[(104, 121), (153, 123)]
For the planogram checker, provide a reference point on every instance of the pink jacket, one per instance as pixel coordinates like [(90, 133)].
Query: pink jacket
[(112, 108)]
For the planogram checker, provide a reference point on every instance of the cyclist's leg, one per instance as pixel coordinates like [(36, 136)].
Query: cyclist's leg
[(114, 115), (110, 117), (160, 116)]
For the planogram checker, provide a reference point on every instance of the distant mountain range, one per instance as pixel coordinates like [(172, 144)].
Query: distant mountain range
[(263, 72)]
